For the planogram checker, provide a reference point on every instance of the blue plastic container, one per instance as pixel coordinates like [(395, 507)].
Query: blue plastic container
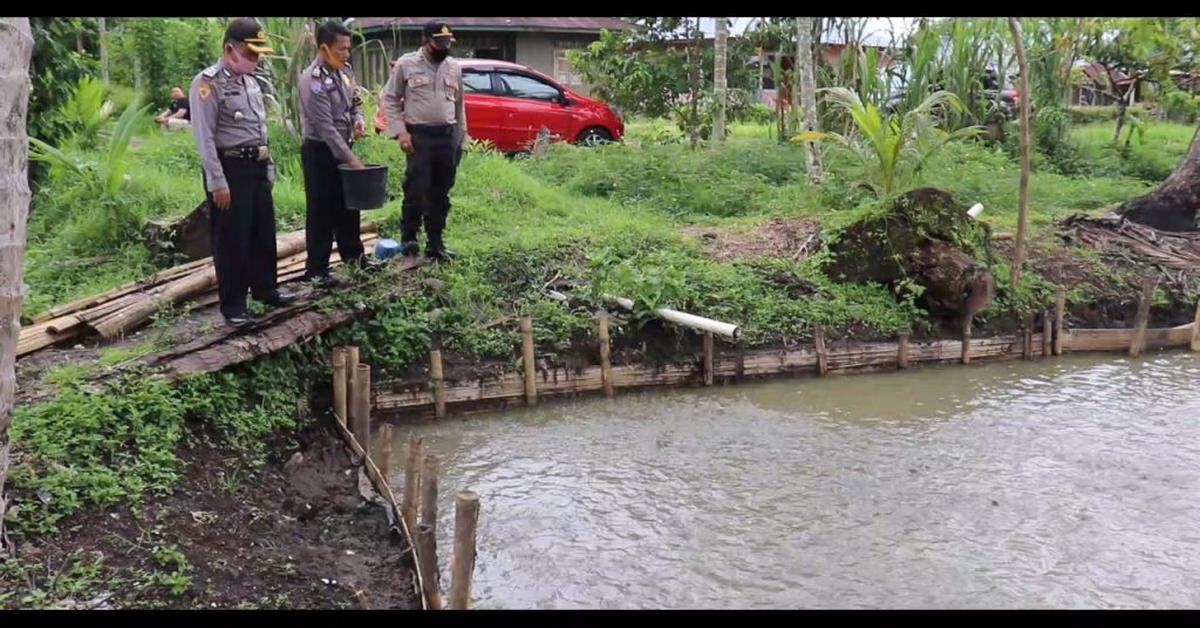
[(385, 248)]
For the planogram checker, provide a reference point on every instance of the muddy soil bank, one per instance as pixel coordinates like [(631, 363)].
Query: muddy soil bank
[(292, 533)]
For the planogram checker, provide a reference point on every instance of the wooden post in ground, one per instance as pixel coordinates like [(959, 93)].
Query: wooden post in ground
[(1060, 312), (1047, 332), (1196, 329), (385, 452), (966, 339), (462, 565), (412, 482), (339, 384), (1138, 344), (361, 426), (606, 376), (529, 362), (351, 373), (902, 350), (426, 542), (819, 342), (429, 491), (708, 358), (439, 386)]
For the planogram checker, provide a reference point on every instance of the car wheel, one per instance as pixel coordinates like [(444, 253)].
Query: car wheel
[(594, 136)]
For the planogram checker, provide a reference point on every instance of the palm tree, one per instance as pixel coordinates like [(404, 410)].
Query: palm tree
[(891, 148), (720, 57), (16, 48)]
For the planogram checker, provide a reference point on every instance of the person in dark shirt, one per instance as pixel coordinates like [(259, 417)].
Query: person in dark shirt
[(179, 115)]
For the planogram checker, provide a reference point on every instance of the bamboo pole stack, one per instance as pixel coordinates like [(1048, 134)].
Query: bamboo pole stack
[(119, 311)]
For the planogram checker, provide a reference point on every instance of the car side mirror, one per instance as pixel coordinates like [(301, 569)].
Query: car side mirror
[(564, 101)]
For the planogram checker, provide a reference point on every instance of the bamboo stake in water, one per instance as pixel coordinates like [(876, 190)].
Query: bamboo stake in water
[(1027, 344), (429, 491), (1047, 332), (1060, 312), (529, 363), (606, 376), (439, 385), (412, 482), (708, 358), (426, 542), (966, 339), (1196, 329), (819, 341), (361, 427), (1138, 344), (462, 565), (902, 350), (385, 452)]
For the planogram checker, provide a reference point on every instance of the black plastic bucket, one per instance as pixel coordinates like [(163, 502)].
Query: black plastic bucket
[(364, 188)]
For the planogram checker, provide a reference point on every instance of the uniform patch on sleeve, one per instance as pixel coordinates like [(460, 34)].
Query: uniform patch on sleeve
[(204, 91)]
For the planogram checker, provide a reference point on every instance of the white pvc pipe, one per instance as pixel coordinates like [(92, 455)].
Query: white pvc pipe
[(688, 320)]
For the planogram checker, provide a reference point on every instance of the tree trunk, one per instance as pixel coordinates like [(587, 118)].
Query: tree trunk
[(16, 48), (720, 57), (1173, 205), (795, 102), (806, 94), (103, 51), (1069, 62), (1121, 107), (694, 131), (1023, 192)]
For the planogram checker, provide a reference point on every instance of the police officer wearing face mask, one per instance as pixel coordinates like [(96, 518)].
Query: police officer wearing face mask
[(331, 116), (229, 122), (423, 100)]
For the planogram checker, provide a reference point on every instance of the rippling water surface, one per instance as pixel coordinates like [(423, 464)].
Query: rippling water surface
[(1066, 483)]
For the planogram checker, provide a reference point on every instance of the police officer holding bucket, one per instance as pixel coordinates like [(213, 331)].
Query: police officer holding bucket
[(331, 117)]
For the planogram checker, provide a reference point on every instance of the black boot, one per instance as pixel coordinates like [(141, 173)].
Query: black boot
[(278, 298), (436, 250), (410, 248)]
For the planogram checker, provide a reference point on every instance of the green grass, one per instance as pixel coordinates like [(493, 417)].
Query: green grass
[(1151, 157)]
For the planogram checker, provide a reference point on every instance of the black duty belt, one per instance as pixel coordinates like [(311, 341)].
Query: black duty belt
[(431, 130), (257, 153)]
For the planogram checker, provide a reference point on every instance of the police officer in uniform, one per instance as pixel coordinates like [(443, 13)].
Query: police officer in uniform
[(331, 117), (423, 100), (229, 122)]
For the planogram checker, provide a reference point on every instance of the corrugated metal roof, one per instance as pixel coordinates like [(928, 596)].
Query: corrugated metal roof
[(578, 24)]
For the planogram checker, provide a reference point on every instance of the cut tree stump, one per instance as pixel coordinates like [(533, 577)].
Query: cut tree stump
[(921, 239), (187, 237)]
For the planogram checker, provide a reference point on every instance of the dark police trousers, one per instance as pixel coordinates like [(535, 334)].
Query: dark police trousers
[(428, 178), (326, 217), (243, 235)]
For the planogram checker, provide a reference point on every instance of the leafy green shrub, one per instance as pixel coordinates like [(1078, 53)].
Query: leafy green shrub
[(1051, 137), (1181, 106), (1085, 114)]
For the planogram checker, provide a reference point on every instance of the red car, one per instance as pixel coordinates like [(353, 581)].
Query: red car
[(508, 103)]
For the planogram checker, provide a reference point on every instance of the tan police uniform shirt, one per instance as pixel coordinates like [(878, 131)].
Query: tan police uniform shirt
[(328, 107), (227, 112), (423, 92)]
